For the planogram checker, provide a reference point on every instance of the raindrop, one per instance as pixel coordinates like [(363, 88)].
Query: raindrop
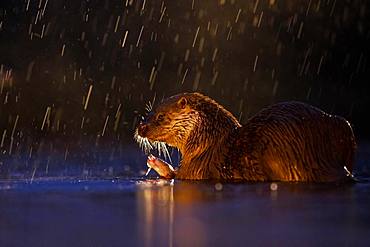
[(255, 63), (124, 39), (88, 97), (195, 36), (138, 39)]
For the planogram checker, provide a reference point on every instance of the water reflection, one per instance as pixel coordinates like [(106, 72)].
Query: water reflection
[(181, 213), (194, 213), (158, 202), (172, 214), (155, 202)]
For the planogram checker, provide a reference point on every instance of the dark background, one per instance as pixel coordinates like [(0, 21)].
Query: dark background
[(244, 54)]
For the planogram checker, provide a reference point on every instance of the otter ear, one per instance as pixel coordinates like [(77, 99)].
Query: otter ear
[(182, 102)]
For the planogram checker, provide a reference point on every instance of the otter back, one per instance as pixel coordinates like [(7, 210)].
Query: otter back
[(292, 141)]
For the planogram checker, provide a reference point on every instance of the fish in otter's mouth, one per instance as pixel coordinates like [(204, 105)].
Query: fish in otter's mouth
[(148, 146)]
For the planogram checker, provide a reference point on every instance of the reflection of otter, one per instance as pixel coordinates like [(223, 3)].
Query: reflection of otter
[(289, 141), (158, 222)]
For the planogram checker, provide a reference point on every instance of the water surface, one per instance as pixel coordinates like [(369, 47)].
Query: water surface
[(126, 212)]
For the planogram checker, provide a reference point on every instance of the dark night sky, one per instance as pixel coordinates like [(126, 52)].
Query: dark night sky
[(245, 54)]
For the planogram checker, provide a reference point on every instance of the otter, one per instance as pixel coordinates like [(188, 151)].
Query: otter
[(288, 141)]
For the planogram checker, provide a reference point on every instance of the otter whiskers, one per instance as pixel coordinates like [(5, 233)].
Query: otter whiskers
[(149, 105), (162, 148), (148, 146), (143, 142)]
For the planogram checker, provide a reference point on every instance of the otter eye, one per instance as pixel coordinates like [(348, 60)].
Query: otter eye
[(160, 117)]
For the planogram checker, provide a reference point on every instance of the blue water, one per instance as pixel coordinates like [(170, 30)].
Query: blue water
[(126, 212)]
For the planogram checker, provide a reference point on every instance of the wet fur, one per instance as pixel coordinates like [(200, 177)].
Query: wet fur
[(289, 141)]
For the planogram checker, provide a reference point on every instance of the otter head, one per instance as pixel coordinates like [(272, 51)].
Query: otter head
[(171, 122)]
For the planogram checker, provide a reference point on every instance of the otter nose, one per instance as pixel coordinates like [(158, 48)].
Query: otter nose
[(143, 129)]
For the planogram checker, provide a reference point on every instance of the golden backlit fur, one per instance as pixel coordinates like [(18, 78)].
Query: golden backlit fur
[(290, 141)]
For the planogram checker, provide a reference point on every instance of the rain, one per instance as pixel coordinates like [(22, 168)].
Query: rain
[(76, 78), (66, 68)]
